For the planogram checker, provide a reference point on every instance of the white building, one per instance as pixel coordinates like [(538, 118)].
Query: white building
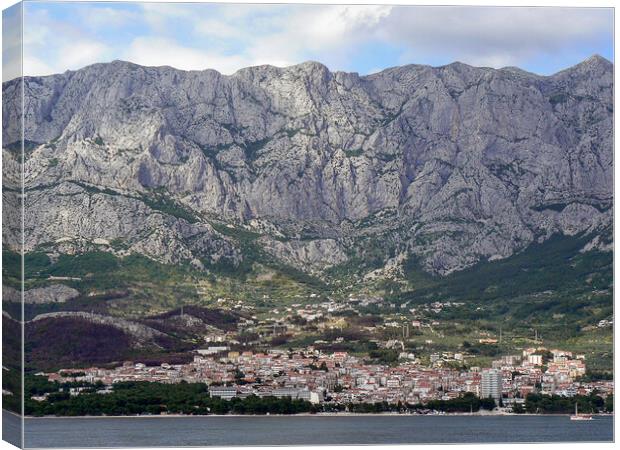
[(491, 384), (535, 359), (224, 392)]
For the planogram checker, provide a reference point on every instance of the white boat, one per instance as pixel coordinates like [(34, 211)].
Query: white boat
[(578, 416)]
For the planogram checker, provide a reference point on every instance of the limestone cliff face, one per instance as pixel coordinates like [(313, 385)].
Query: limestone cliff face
[(451, 164)]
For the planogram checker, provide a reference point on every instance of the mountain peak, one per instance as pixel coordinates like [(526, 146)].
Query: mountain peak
[(594, 62), (597, 59), (311, 66), (306, 66)]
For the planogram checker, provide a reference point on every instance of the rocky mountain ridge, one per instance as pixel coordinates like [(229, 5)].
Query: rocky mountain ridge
[(447, 165)]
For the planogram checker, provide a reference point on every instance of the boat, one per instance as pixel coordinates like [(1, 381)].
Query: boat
[(578, 416)]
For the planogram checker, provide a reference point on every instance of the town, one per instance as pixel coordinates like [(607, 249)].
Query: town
[(342, 378)]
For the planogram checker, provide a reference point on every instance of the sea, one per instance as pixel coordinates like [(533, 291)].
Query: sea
[(175, 431)]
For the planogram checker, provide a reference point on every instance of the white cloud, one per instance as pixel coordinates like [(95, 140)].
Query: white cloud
[(11, 43), (81, 53), (152, 51), (327, 33), (290, 36), (53, 46), (219, 29), (95, 17), (33, 65), (324, 26), (493, 36), (286, 34), (157, 15), (227, 37)]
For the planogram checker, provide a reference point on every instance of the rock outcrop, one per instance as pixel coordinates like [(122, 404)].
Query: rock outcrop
[(141, 333), (451, 165), (54, 293)]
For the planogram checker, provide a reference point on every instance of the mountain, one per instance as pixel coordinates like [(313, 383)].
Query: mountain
[(441, 167), (103, 339)]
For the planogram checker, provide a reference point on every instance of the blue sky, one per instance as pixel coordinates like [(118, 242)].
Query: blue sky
[(365, 39)]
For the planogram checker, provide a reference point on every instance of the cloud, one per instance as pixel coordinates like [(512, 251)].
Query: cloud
[(494, 36), (334, 34), (219, 29), (326, 26), (321, 31), (296, 34), (54, 46), (81, 53), (158, 15), (11, 43), (228, 38), (364, 38), (153, 51), (33, 65), (98, 18)]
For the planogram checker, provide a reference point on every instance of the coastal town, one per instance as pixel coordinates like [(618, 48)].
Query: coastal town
[(343, 378)]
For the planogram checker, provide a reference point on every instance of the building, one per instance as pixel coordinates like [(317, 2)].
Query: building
[(310, 396), (491, 384), (224, 392), (511, 360), (536, 360), (213, 350)]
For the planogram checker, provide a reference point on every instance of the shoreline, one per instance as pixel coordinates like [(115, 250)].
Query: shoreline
[(341, 414)]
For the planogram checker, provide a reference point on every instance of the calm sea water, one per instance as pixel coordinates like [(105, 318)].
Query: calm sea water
[(299, 430)]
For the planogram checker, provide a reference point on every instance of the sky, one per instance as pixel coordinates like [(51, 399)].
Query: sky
[(60, 36)]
